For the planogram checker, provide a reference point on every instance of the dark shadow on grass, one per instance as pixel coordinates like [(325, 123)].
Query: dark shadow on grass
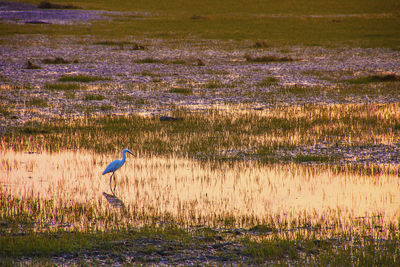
[(375, 79)]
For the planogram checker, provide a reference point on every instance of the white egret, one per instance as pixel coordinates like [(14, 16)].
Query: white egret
[(115, 165)]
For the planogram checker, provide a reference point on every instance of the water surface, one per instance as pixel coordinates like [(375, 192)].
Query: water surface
[(67, 188)]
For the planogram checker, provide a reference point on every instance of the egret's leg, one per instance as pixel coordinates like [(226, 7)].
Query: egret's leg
[(115, 185), (110, 183)]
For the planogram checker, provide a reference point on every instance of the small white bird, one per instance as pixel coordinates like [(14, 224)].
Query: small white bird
[(115, 165)]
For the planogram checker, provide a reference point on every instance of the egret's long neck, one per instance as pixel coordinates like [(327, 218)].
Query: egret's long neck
[(123, 156)]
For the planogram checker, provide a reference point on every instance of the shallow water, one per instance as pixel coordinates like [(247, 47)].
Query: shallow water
[(71, 191)]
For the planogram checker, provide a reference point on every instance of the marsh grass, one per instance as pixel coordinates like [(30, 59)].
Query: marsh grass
[(37, 102), (301, 158), (260, 44), (178, 62), (214, 84), (58, 60), (375, 79), (170, 241), (301, 89), (91, 97), (64, 86), (132, 99), (122, 44), (268, 81), (49, 5), (151, 60), (4, 111), (106, 107), (148, 60), (150, 74), (288, 211), (214, 194), (69, 95), (181, 90), (207, 135), (82, 78), (47, 224), (267, 59)]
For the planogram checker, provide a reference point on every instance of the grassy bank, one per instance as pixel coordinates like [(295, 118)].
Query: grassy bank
[(172, 245)]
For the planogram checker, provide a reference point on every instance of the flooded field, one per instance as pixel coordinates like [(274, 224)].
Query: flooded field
[(66, 189), (278, 145)]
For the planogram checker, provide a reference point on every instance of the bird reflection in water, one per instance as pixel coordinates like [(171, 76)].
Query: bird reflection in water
[(114, 201)]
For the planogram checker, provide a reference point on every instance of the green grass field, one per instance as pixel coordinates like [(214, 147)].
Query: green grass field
[(310, 23)]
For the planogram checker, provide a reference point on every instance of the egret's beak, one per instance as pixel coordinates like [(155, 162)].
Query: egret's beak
[(130, 153)]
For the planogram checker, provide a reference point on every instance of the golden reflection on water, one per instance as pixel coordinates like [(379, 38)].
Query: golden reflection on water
[(155, 189)]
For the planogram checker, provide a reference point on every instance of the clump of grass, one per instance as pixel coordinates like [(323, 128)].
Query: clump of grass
[(106, 107), (122, 44), (267, 58), (48, 5), (148, 60), (141, 101), (132, 99), (304, 158), (90, 97), (37, 102), (58, 60), (375, 79), (178, 62), (268, 81), (396, 126), (181, 81), (298, 89), (4, 111), (263, 228), (123, 97), (181, 90), (3, 78), (260, 44), (271, 249), (196, 17), (200, 62), (69, 95), (82, 78), (63, 86), (148, 73), (214, 84)]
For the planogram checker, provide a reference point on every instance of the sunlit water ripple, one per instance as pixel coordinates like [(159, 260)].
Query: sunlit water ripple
[(70, 190)]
